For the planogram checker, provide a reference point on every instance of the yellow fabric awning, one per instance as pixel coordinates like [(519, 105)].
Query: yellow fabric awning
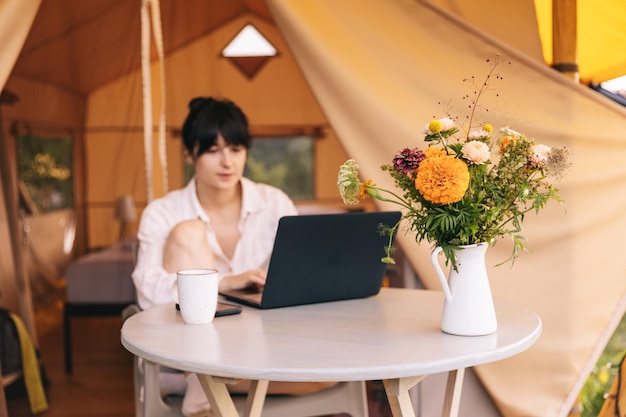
[(601, 27)]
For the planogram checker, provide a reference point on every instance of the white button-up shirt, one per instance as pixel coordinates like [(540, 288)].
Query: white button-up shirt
[(262, 207)]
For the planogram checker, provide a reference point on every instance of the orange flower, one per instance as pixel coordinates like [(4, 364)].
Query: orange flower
[(363, 189), (442, 179), (431, 151), (510, 136), (505, 141)]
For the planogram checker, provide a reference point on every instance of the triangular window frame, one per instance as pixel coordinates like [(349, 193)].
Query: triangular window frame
[(249, 50)]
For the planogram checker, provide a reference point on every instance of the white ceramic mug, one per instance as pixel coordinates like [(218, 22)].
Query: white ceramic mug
[(195, 291)]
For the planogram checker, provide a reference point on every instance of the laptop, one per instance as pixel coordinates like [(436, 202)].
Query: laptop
[(322, 257)]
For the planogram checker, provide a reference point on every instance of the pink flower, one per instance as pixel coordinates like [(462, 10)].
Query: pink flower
[(408, 160), (539, 155)]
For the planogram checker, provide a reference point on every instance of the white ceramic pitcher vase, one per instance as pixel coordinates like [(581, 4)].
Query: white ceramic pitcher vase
[(468, 308)]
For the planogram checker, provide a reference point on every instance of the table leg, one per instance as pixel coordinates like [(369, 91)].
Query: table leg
[(397, 390), (256, 398), (222, 403), (453, 393), (219, 397)]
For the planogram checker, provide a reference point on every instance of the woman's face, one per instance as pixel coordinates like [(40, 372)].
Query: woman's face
[(221, 167)]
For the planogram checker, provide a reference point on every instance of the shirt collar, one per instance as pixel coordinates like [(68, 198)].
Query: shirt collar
[(192, 196), (252, 200)]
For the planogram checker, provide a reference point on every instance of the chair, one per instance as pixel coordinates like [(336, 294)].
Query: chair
[(98, 284), (345, 397)]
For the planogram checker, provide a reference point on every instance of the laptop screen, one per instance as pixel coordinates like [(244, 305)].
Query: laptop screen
[(326, 257)]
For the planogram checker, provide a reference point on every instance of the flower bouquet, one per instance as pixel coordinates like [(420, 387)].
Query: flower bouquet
[(467, 185)]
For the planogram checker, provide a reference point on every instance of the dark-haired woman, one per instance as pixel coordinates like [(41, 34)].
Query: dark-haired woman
[(220, 220)]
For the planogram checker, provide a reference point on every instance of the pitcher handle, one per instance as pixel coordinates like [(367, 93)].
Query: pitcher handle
[(440, 274)]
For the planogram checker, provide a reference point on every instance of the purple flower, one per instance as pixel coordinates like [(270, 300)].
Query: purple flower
[(408, 160)]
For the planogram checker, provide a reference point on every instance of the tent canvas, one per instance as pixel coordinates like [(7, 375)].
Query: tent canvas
[(376, 99), (569, 266)]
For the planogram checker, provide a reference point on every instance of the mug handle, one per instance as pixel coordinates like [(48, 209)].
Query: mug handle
[(174, 292)]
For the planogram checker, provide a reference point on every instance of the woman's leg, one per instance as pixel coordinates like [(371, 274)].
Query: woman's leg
[(286, 388), (187, 247), (195, 402)]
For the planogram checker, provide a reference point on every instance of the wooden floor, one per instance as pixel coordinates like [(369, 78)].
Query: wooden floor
[(102, 381)]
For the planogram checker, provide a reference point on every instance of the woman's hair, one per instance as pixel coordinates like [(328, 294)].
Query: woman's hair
[(207, 117)]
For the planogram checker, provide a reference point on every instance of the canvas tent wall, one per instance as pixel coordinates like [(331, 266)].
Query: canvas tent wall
[(376, 99), (15, 20), (366, 98)]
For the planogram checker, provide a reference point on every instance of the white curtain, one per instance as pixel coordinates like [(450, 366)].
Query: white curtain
[(382, 70)]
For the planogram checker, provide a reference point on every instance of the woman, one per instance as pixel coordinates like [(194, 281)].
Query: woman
[(220, 220)]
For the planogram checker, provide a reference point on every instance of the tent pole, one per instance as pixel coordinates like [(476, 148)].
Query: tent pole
[(8, 172), (564, 34)]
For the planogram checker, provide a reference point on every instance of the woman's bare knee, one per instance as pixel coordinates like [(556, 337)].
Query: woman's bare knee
[(188, 233), (187, 247)]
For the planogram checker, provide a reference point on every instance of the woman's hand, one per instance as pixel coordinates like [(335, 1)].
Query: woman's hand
[(253, 277)]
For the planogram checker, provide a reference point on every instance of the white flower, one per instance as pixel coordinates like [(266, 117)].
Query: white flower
[(539, 154), (446, 124), (348, 182), (475, 152), (478, 134), (511, 132)]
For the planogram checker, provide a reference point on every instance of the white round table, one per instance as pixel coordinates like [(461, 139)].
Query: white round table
[(394, 337)]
